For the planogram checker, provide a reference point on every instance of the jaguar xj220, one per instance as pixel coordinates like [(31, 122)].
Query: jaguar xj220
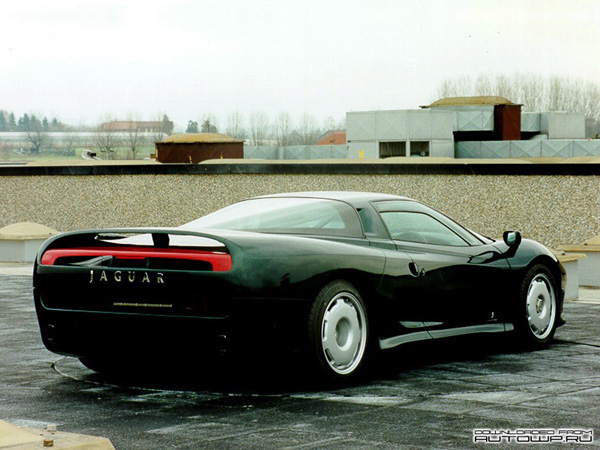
[(331, 276)]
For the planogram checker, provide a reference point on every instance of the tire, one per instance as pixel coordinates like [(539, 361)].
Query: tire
[(537, 307), (338, 331)]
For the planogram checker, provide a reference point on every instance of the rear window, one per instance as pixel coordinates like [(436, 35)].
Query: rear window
[(287, 215)]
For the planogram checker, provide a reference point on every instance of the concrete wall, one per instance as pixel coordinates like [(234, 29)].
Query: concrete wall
[(19, 250), (531, 122), (366, 129), (559, 125), (296, 152), (589, 270), (550, 148), (442, 149), (363, 149), (417, 125), (554, 209)]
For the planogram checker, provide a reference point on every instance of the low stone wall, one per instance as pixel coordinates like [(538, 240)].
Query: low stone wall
[(553, 209)]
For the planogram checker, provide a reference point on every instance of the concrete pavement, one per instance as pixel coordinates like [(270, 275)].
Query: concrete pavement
[(427, 396)]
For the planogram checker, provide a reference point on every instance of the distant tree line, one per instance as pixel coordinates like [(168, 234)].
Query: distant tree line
[(36, 135), (260, 129), (207, 127), (128, 142), (29, 122), (35, 129), (536, 93)]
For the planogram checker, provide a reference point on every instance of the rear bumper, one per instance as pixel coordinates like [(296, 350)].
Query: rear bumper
[(251, 324), (109, 335)]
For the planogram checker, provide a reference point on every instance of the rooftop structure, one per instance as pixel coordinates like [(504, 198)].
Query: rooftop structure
[(468, 127), (197, 147), (490, 100), (206, 138)]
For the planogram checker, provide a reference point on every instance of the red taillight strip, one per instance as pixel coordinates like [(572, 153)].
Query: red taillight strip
[(221, 262)]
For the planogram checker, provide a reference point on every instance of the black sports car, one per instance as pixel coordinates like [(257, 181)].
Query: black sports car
[(333, 276)]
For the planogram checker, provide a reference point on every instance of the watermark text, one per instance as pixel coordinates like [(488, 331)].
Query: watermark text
[(534, 436)]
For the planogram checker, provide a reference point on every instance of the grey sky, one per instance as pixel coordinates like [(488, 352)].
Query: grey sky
[(79, 60)]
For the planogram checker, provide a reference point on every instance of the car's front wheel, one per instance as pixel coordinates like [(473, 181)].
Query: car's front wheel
[(538, 305), (338, 329)]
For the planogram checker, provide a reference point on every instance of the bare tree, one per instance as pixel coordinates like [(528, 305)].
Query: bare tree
[(445, 89), (536, 93), (592, 101), (37, 136), (484, 85), (69, 140), (3, 151), (106, 138), (308, 129), (283, 129), (259, 128), (532, 91), (235, 126), (134, 138), (575, 96), (505, 87), (330, 124), (556, 94), (456, 87), (591, 106)]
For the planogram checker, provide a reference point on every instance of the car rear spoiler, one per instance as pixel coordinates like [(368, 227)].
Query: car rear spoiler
[(157, 238)]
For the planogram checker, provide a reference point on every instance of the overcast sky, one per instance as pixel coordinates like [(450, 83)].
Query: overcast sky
[(80, 60)]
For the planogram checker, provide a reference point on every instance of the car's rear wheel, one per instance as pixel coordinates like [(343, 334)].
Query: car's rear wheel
[(538, 306), (338, 330)]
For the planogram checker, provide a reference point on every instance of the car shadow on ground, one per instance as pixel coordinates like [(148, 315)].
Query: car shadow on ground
[(267, 375)]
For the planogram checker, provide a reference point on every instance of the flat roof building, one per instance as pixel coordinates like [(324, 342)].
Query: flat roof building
[(197, 147), (468, 127)]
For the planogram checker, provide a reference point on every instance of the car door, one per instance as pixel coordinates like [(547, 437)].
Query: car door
[(457, 286), (397, 282), (460, 278)]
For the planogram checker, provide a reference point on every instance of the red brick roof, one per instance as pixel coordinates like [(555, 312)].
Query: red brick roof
[(333, 138), (121, 125)]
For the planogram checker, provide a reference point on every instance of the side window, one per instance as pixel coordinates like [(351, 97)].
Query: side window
[(418, 227), (366, 220)]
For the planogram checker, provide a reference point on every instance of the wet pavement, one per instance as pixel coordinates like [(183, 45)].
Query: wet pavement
[(426, 395)]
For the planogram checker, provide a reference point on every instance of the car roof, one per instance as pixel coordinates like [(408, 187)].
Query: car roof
[(354, 198)]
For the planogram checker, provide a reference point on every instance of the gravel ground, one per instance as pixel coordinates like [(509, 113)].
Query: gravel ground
[(554, 210)]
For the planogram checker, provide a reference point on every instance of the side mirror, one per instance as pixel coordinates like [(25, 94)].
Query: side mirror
[(512, 238)]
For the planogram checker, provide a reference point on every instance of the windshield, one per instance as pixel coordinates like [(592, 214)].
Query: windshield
[(287, 215)]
